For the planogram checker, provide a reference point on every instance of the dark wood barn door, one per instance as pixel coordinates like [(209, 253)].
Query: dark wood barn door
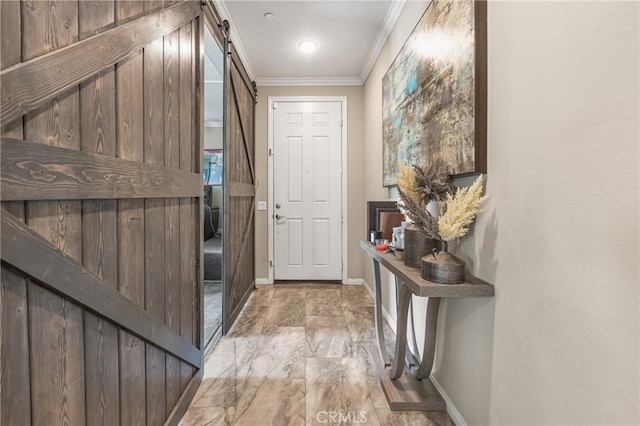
[(239, 205), (101, 187)]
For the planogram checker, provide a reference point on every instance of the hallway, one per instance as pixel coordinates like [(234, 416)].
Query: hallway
[(296, 356)]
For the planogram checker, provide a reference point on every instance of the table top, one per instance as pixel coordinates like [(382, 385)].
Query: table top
[(472, 287)]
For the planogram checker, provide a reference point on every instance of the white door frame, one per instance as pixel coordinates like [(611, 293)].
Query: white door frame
[(344, 236)]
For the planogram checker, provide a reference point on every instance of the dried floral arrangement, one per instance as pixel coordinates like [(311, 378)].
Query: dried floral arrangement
[(461, 210), (418, 185)]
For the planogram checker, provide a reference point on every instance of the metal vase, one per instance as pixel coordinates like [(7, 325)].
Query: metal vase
[(442, 267), (416, 245)]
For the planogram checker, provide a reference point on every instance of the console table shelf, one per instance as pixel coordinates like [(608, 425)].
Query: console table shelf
[(404, 388), (420, 287)]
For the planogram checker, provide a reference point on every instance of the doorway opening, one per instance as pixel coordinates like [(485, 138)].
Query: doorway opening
[(213, 177), (308, 188)]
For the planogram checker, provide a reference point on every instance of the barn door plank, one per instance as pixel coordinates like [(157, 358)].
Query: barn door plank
[(10, 20), (101, 373), (126, 11), (15, 398), (187, 219), (14, 371), (132, 380), (172, 206), (130, 223), (57, 359), (56, 335), (96, 16), (99, 237), (151, 6), (154, 218)]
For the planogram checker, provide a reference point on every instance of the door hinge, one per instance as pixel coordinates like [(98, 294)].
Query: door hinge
[(271, 263), (270, 152), (341, 123), (274, 105)]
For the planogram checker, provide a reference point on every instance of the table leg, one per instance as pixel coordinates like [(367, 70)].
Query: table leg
[(409, 356), (397, 367), (431, 327), (382, 346)]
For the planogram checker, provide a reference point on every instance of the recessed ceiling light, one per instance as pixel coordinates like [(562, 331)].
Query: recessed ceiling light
[(307, 46), (269, 16)]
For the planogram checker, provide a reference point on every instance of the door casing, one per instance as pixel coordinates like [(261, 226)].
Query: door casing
[(270, 177)]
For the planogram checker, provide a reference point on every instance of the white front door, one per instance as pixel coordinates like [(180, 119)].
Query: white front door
[(307, 202)]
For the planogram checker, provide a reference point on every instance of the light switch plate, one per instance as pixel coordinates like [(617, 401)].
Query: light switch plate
[(262, 205)]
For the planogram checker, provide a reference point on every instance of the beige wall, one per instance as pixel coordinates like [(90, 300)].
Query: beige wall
[(213, 138), (355, 173), (558, 236)]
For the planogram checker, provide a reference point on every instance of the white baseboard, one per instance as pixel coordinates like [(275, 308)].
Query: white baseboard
[(453, 412), (350, 281)]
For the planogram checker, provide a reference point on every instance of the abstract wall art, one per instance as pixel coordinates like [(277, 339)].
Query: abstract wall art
[(434, 94)]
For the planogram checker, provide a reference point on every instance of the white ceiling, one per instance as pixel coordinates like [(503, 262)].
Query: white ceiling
[(350, 34)]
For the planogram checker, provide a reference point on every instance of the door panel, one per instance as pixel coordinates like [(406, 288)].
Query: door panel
[(307, 190), (295, 248), (321, 242), (294, 170), (320, 172)]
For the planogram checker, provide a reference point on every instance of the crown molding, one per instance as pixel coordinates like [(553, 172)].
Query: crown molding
[(390, 19), (221, 7), (309, 81)]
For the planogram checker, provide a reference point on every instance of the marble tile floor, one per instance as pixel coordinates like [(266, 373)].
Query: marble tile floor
[(296, 356)]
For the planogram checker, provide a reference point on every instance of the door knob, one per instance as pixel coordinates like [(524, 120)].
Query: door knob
[(278, 206), (279, 216)]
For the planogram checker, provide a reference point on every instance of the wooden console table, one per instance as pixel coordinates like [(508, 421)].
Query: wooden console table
[(413, 390)]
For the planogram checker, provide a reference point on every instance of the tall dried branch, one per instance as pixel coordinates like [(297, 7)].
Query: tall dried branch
[(419, 215), (406, 182)]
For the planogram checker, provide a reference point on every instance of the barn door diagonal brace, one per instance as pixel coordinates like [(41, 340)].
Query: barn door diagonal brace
[(21, 246), (29, 84), (245, 134)]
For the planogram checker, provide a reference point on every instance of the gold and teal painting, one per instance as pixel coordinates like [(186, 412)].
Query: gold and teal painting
[(434, 102)]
